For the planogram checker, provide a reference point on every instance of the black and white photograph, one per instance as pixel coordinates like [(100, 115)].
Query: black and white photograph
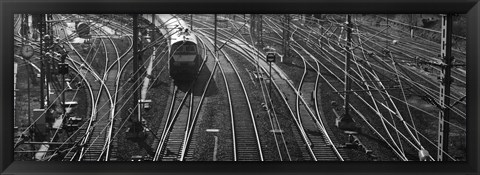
[(240, 87)]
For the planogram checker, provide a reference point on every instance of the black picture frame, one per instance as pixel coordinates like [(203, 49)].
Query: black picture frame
[(10, 7)]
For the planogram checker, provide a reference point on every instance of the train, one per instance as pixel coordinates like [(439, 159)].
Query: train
[(83, 29), (183, 49)]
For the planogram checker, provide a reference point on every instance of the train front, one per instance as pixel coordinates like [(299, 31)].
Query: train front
[(184, 59)]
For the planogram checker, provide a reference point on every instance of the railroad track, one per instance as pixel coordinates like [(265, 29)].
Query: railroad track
[(99, 132), (97, 88), (408, 74), (76, 69), (330, 84), (247, 145), (180, 121), (337, 77), (282, 148), (96, 135), (112, 76), (405, 49), (224, 35), (308, 115), (408, 48), (277, 131), (393, 70), (312, 122), (359, 65), (243, 125), (240, 130), (173, 137), (300, 126)]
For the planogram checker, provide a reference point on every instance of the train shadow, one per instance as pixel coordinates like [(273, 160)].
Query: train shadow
[(184, 83)]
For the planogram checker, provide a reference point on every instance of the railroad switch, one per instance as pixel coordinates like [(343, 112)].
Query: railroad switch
[(355, 143), (137, 158), (136, 132), (352, 141)]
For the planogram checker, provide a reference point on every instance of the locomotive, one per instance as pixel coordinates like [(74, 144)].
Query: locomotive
[(83, 29), (183, 57)]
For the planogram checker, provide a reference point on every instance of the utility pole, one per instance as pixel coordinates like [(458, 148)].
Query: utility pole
[(252, 26), (63, 90), (286, 34), (191, 22), (345, 122), (386, 40), (347, 66), (49, 62), (63, 69), (320, 36), (41, 25), (24, 33), (411, 25), (445, 81), (215, 37), (135, 74), (153, 33), (257, 28), (24, 26), (260, 26), (152, 38)]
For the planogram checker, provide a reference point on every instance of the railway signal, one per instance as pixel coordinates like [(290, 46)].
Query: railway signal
[(270, 59)]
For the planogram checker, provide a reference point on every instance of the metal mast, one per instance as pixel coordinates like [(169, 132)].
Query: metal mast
[(445, 81), (345, 122), (286, 38), (348, 57), (41, 25)]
